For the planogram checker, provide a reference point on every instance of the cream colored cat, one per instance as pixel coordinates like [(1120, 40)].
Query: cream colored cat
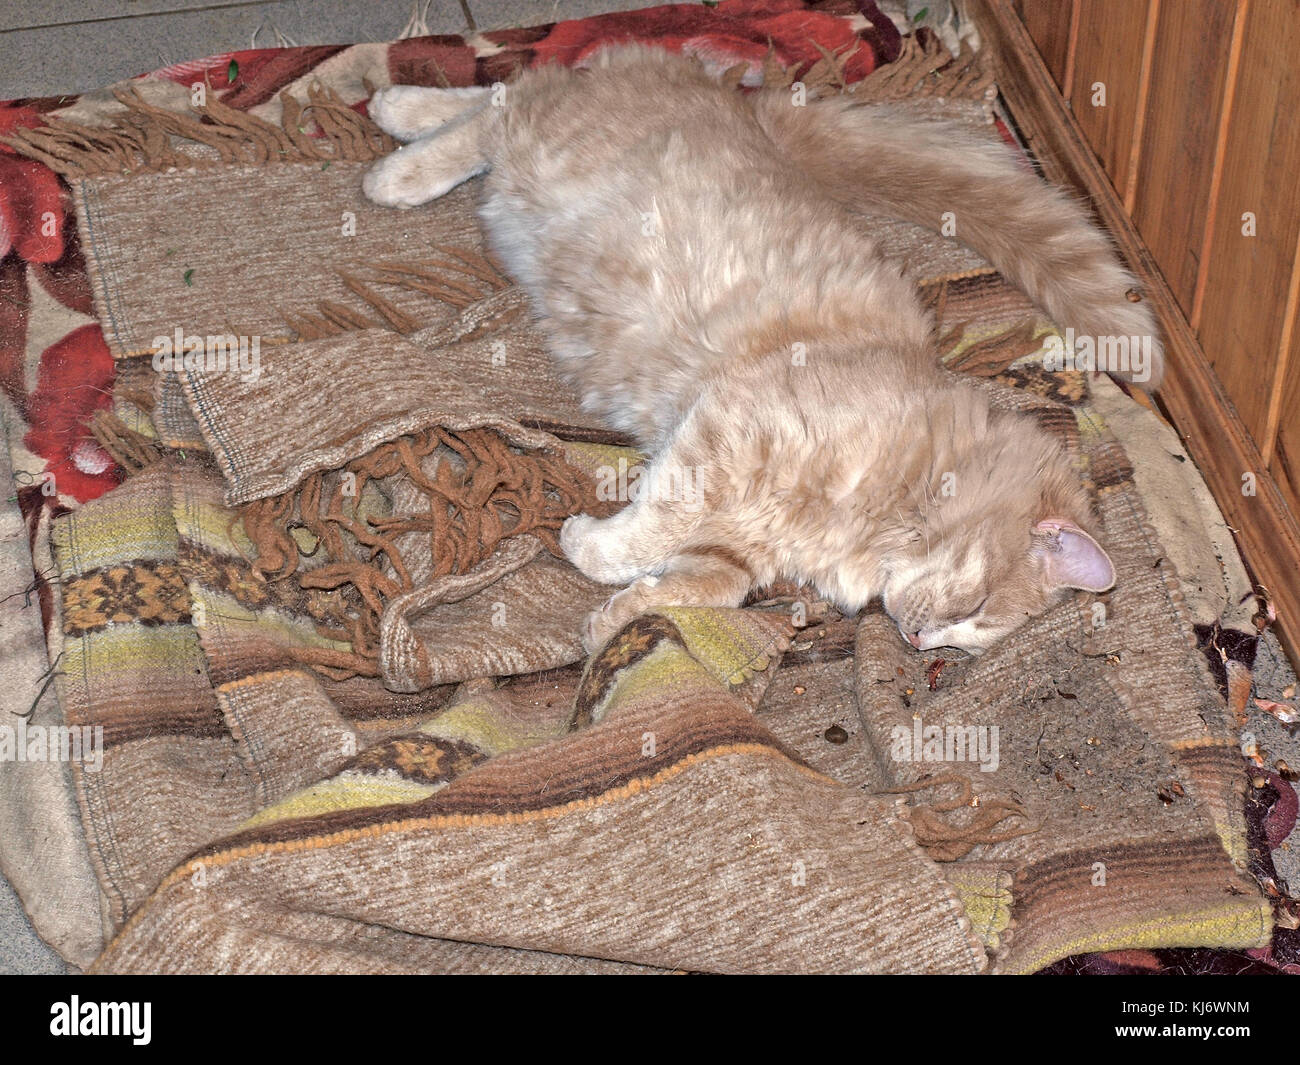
[(707, 282)]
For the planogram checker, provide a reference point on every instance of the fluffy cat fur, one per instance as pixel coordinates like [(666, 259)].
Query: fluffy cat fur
[(707, 281)]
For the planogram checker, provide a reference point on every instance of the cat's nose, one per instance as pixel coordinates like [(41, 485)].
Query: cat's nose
[(914, 638)]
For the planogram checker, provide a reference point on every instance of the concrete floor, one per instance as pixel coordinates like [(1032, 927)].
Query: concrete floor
[(78, 45), (69, 46)]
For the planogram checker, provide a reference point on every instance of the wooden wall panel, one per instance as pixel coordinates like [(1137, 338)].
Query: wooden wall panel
[(1048, 23), (1242, 317), (1284, 451), (1109, 49), (1285, 464), (1177, 152)]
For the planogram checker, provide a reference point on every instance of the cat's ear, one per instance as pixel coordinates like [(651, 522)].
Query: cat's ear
[(1072, 558)]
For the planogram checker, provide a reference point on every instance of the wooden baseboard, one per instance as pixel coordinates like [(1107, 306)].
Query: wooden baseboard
[(1195, 401)]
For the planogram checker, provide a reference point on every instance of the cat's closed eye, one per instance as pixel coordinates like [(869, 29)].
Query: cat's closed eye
[(960, 616)]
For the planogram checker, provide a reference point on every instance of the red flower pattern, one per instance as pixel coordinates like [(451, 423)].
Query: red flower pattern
[(75, 379), (31, 199), (736, 31)]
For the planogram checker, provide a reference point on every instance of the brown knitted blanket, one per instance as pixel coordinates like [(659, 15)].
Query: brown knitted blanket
[(348, 725)]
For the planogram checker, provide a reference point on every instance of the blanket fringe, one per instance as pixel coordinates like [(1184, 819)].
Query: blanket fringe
[(924, 68), (144, 137), (946, 842), (457, 277), (131, 450), (492, 493)]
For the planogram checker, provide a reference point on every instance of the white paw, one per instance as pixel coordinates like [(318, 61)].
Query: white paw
[(425, 169), (596, 549), (396, 110), (575, 535), (620, 608), (397, 180), (596, 631), (409, 112)]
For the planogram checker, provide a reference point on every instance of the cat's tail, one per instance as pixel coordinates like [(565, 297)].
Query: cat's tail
[(883, 159)]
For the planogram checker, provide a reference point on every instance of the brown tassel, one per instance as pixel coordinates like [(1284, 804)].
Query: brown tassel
[(493, 493), (140, 139), (131, 450), (946, 842)]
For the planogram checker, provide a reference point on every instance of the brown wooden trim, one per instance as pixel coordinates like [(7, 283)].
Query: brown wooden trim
[(1215, 437), (1285, 347), (1144, 101), (1220, 158), (1071, 51)]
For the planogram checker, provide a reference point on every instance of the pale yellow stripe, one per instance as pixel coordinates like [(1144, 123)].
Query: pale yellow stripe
[(131, 534), (345, 792), (1226, 925)]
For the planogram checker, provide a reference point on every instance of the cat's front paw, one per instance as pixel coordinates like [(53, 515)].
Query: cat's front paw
[(600, 626), (596, 549)]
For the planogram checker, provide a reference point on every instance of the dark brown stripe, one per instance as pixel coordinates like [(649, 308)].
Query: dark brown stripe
[(575, 768), (1109, 466), (635, 642), (366, 699), (119, 732), (234, 576), (1170, 861), (1225, 756), (581, 434), (180, 710), (142, 592)]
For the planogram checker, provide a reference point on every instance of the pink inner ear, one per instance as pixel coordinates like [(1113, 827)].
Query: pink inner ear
[(1075, 560)]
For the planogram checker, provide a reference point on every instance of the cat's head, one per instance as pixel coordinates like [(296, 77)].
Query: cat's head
[(981, 566), (972, 593)]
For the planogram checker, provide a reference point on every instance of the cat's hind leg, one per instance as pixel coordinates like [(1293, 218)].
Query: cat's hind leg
[(429, 167), (667, 545), (652, 546), (409, 112)]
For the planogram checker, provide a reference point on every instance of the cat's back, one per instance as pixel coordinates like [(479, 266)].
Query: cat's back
[(645, 167), (657, 226)]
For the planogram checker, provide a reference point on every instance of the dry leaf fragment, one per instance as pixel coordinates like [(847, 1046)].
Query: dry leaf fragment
[(1284, 712), (932, 672)]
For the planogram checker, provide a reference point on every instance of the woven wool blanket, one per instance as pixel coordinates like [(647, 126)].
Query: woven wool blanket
[(348, 726)]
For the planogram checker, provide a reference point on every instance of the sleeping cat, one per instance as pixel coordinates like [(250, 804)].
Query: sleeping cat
[(707, 282)]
